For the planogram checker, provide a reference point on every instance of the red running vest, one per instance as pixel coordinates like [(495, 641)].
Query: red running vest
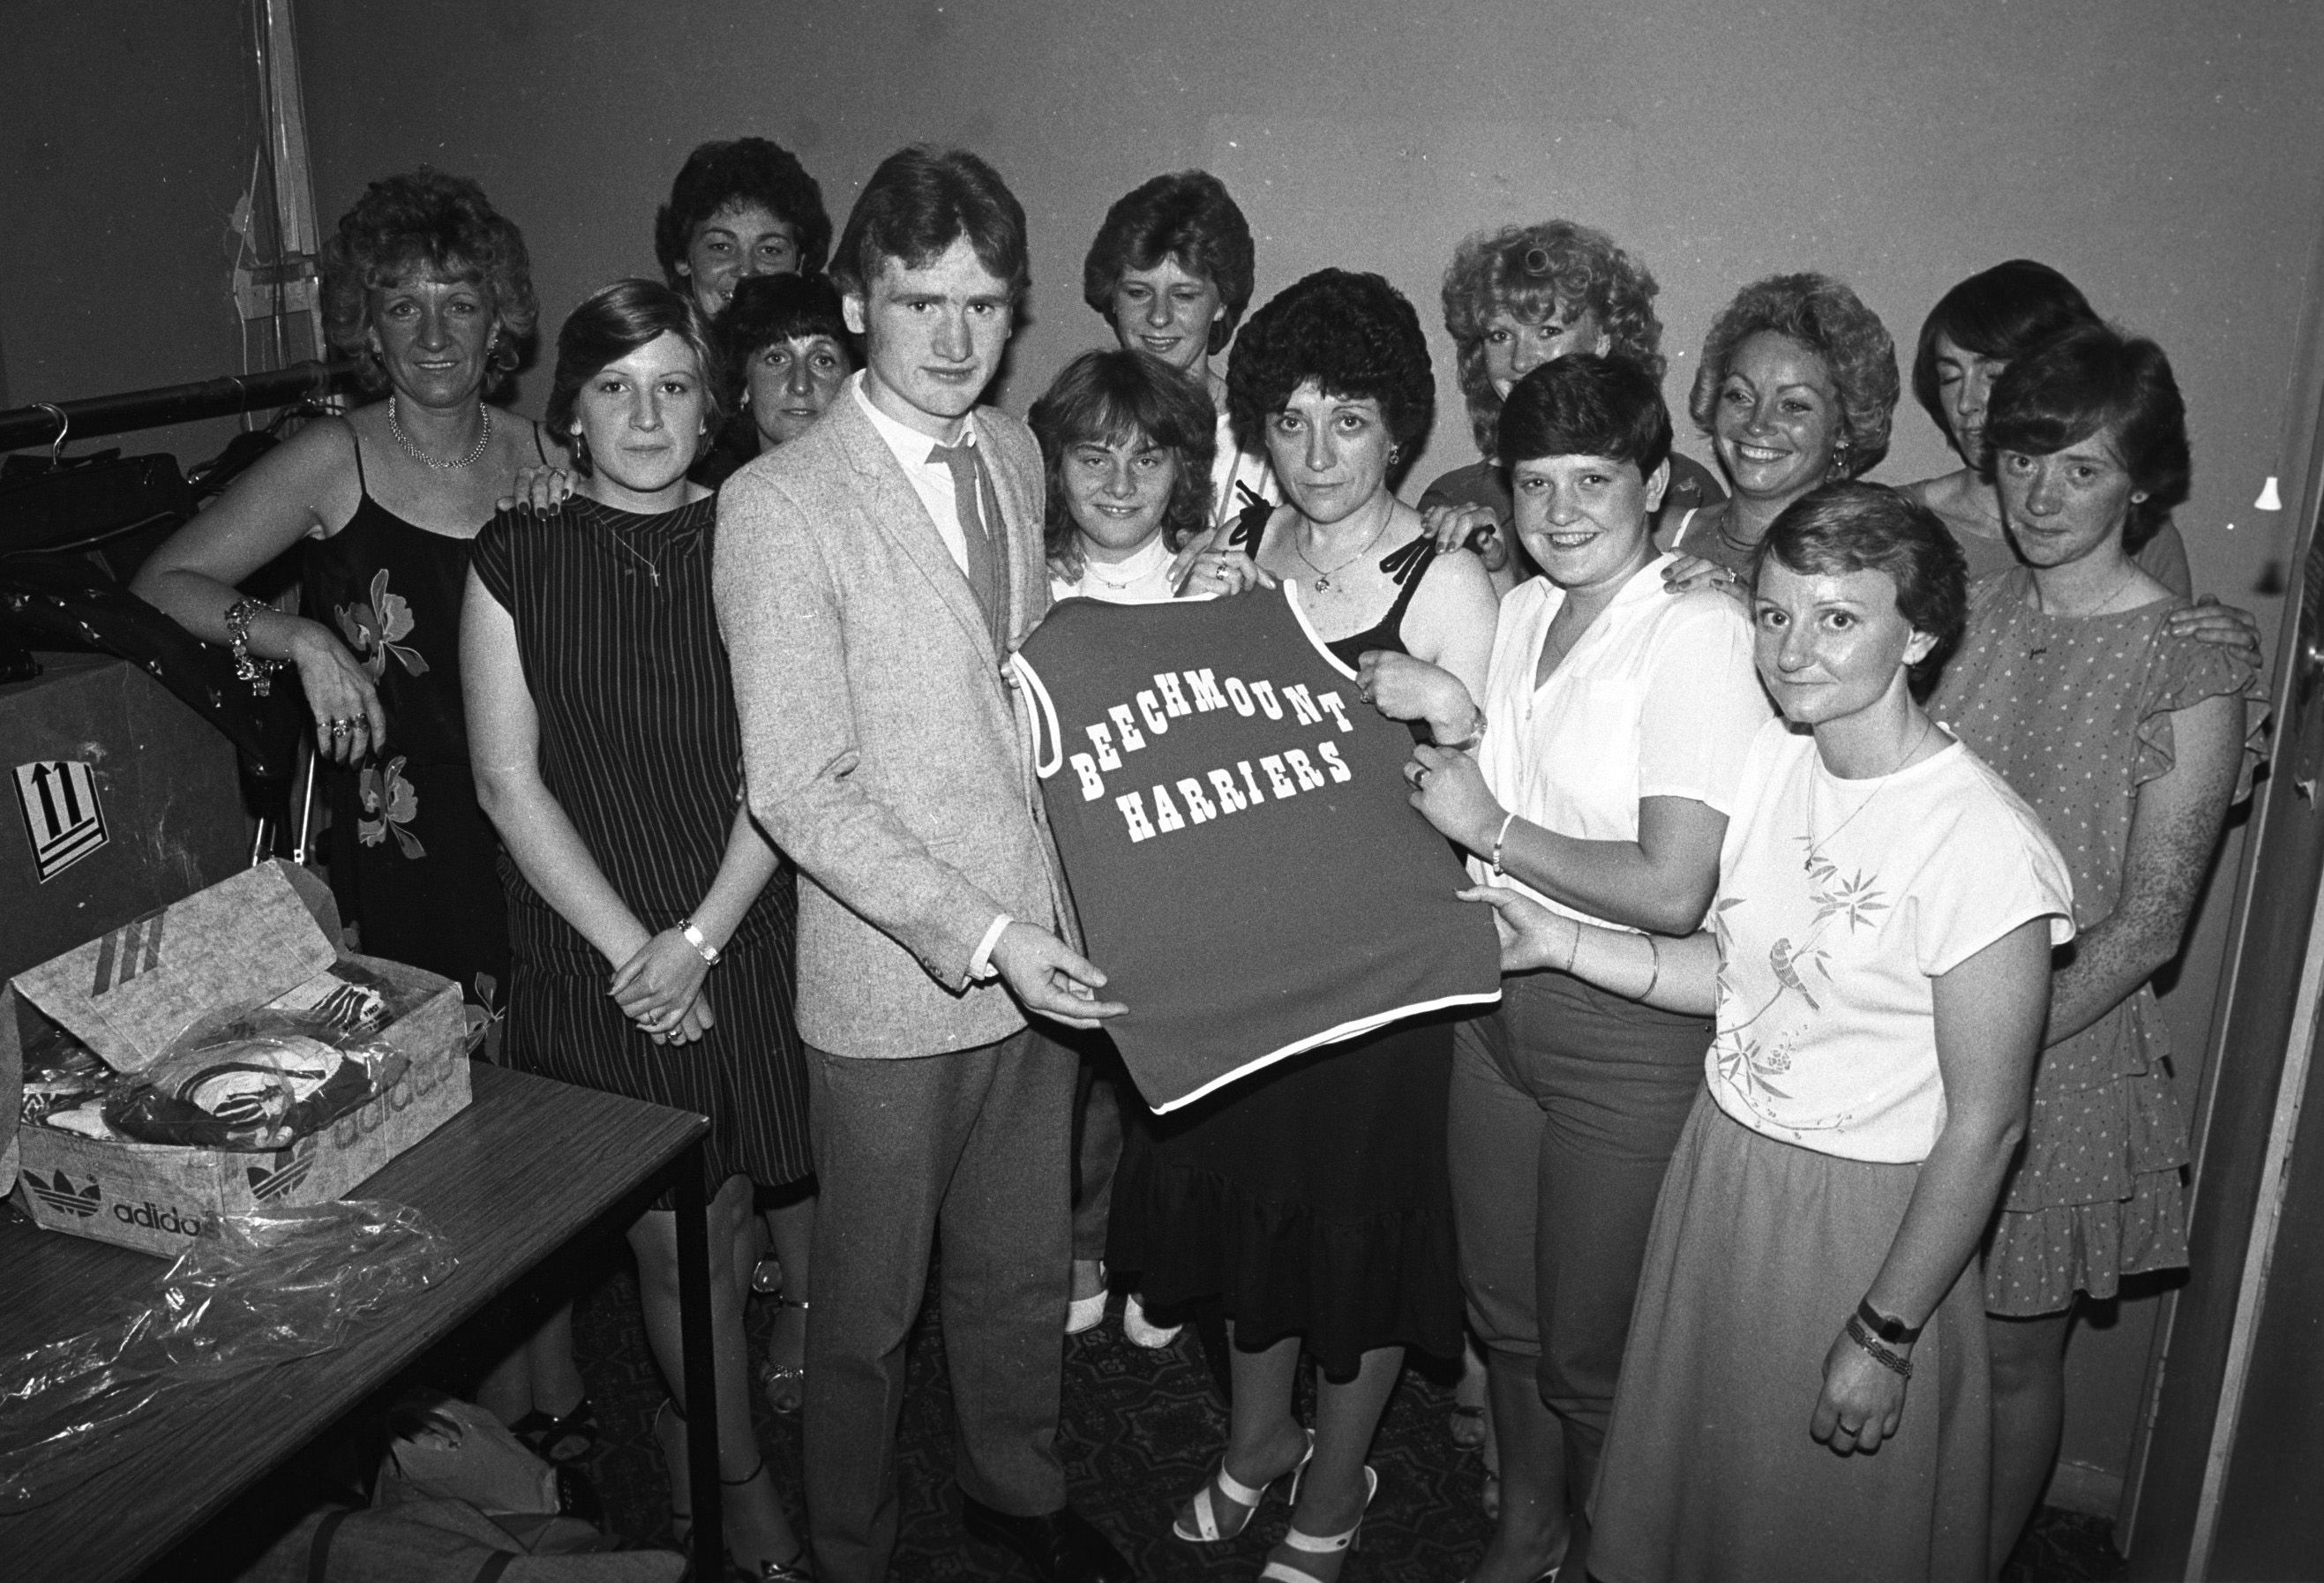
[(1234, 830)]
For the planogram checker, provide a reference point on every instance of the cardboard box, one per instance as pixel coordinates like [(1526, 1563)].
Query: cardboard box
[(130, 994)]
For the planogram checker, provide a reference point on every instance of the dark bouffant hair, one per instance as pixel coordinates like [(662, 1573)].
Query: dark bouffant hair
[(767, 309), (425, 225), (1829, 319), (1532, 272), (2095, 378), (612, 322), (1189, 217), (749, 170), (1838, 528), (1106, 398), (2003, 312), (1587, 405), (920, 201), (1355, 336)]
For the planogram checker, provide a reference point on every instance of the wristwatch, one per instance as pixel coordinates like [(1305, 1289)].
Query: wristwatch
[(702, 948), (1895, 1332)]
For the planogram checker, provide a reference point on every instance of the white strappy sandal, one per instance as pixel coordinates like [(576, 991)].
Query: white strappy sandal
[(1281, 1570), (1244, 1498)]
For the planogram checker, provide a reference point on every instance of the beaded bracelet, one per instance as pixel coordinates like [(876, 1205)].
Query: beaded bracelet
[(247, 666), (1896, 1362)]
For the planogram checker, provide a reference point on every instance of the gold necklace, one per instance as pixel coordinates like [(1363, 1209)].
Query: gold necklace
[(421, 456), (1324, 574), (1928, 723)]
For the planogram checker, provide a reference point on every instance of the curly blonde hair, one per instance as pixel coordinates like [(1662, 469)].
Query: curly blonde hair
[(1530, 272), (1831, 321), (425, 223)]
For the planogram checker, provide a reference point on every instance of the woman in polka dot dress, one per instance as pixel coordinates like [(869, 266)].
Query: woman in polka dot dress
[(2131, 740)]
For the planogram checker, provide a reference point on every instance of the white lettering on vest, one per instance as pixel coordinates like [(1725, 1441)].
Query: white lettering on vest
[(1151, 708), (1230, 800), (1277, 778), (1086, 767), (1265, 693), (1103, 740), (1206, 692), (1173, 699), (1329, 752), (1133, 814), (1303, 704), (1131, 740), (1250, 780), (1165, 812), (1309, 776), (1239, 695), (1199, 807), (1337, 710)]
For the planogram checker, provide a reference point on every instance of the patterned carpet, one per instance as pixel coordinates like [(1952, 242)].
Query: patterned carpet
[(1139, 1431)]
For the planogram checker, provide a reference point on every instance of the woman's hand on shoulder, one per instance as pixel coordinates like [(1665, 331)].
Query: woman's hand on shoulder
[(2226, 626), (542, 489), (1690, 572), (1862, 1401), (1476, 528)]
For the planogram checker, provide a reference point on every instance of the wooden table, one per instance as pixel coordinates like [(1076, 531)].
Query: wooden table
[(528, 1166)]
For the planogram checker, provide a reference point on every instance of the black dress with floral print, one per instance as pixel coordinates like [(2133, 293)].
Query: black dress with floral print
[(411, 855)]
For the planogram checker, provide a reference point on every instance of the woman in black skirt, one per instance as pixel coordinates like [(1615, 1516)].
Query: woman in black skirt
[(603, 730)]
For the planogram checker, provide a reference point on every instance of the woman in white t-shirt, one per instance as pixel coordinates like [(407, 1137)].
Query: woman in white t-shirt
[(1616, 722), (1126, 447), (1878, 961)]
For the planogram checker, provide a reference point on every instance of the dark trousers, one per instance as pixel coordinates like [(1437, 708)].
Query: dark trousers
[(1102, 1110), (1566, 1103), (971, 1147)]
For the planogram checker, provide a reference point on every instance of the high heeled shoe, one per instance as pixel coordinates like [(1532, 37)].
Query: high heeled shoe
[(1243, 1498), (1279, 1568), (799, 1568), (784, 1385)]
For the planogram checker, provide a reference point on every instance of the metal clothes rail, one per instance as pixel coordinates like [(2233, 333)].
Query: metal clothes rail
[(47, 422)]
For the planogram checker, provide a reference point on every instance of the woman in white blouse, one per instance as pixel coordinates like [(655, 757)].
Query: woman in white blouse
[(1878, 962), (1616, 720)]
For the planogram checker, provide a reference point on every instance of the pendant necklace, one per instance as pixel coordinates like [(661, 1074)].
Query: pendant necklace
[(1928, 723), (418, 455), (1324, 574), (630, 549)]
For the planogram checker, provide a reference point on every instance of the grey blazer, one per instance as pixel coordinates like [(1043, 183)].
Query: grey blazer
[(882, 741)]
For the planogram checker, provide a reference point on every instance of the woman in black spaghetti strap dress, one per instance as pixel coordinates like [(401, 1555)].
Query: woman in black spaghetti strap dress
[(1312, 1200), (653, 922), (431, 288)]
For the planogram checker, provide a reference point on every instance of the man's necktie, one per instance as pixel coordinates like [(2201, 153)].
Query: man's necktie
[(981, 526)]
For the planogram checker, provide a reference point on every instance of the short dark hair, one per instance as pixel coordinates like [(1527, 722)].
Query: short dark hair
[(1840, 527), (425, 223), (1354, 334), (2093, 378), (1530, 272), (1828, 318), (612, 322), (1586, 404), (1188, 217), (920, 201), (748, 170), (767, 309), (2003, 312), (1110, 396)]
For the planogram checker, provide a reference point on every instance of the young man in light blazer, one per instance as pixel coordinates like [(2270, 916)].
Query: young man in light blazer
[(872, 576)]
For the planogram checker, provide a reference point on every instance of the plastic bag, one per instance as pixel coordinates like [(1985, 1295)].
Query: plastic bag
[(270, 1286), (265, 1078)]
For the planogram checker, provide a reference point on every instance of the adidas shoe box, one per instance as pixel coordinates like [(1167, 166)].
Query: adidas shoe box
[(131, 992)]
